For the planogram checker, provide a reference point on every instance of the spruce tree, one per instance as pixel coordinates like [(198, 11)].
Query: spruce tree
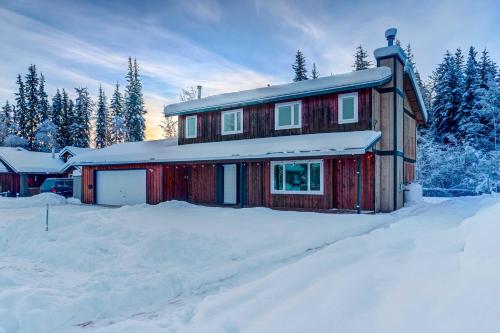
[(299, 67), (314, 72), (21, 108), (32, 104), (134, 116), (43, 100), (118, 129), (5, 121), (469, 119), (80, 126), (64, 135), (101, 138), (57, 116), (361, 59)]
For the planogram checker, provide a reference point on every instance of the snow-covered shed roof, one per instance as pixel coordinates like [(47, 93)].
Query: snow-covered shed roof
[(308, 145), (74, 150), (358, 79), (23, 161)]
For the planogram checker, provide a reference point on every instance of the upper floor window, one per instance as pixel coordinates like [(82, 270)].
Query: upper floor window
[(191, 131), (288, 115), (348, 108), (232, 122)]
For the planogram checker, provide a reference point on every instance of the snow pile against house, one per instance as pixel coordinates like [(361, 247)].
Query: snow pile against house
[(322, 144)]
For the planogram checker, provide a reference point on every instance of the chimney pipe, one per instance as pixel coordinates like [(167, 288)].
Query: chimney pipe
[(390, 35), (53, 152), (199, 91)]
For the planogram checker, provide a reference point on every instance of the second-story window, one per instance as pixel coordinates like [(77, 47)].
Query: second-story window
[(191, 131), (232, 122), (288, 115), (348, 108)]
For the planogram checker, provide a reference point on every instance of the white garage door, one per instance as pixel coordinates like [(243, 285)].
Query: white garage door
[(121, 187)]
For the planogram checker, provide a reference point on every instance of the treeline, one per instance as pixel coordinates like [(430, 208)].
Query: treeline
[(458, 148), (35, 123)]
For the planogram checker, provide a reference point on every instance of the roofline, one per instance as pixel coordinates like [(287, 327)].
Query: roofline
[(281, 155), (280, 97), (420, 99), (8, 164)]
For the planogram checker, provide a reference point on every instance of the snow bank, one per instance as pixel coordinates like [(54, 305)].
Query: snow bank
[(427, 273), (35, 201)]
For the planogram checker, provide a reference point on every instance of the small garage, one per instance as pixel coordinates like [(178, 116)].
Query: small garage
[(121, 187)]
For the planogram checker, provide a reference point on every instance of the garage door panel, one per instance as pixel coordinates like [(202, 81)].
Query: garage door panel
[(121, 187)]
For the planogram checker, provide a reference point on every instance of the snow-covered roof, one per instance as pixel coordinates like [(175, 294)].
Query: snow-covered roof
[(23, 161), (74, 150), (358, 79), (308, 145), (3, 168)]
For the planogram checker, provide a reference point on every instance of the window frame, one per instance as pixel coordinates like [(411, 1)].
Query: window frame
[(186, 127), (236, 131), (292, 116), (309, 191), (341, 105)]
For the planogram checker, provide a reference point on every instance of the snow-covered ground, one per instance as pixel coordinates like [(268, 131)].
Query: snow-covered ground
[(175, 267)]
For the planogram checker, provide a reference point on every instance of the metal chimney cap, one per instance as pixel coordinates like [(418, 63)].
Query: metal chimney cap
[(390, 35)]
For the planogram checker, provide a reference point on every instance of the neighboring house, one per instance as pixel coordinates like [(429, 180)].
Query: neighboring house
[(22, 172), (344, 142)]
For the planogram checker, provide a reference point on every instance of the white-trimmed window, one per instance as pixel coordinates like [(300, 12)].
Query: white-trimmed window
[(191, 127), (297, 177), (288, 115), (348, 108), (232, 122)]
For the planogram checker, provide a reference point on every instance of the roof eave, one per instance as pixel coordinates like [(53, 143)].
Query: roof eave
[(413, 80), (373, 83)]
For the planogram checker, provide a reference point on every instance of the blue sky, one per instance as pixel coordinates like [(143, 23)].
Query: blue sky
[(222, 45)]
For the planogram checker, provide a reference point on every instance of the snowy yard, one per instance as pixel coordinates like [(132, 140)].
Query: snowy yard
[(175, 267)]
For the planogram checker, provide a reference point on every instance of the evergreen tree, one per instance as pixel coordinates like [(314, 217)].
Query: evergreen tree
[(5, 121), (134, 116), (64, 135), (299, 67), (487, 70), (21, 109), (43, 100), (57, 116), (80, 126), (469, 120), (118, 129), (360, 59), (46, 136), (314, 72), (102, 136), (32, 104), (447, 85)]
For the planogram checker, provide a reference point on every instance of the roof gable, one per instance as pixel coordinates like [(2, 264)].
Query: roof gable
[(21, 160)]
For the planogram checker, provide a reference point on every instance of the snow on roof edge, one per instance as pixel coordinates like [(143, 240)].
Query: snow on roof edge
[(380, 76)]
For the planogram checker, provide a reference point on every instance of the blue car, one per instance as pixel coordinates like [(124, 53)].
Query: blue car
[(61, 186)]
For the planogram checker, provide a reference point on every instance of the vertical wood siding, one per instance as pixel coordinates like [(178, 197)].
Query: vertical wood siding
[(319, 114), (154, 181), (9, 182)]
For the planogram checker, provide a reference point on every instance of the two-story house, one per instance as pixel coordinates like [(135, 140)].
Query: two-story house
[(344, 142)]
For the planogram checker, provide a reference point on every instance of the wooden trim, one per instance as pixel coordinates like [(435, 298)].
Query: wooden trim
[(409, 114)]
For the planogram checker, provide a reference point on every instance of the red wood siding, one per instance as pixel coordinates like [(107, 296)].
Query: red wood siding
[(339, 190), (195, 183), (319, 114), (154, 181), (409, 168), (9, 182)]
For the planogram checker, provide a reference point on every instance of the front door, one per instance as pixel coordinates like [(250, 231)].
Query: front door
[(230, 184), (181, 183)]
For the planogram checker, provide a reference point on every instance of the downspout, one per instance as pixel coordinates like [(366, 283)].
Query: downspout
[(241, 185), (358, 174)]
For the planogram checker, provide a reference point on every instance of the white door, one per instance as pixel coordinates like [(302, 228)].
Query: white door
[(121, 187), (230, 184)]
